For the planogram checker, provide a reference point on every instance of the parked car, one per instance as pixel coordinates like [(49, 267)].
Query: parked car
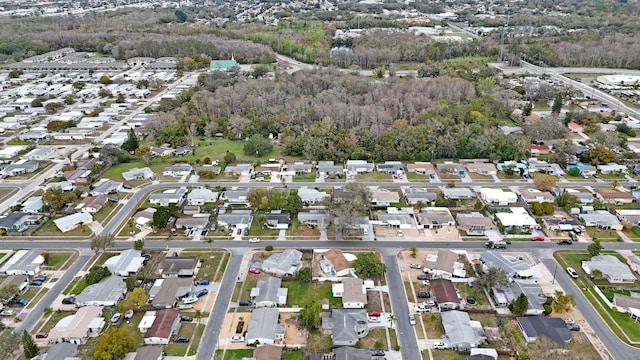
[(423, 277), (201, 293), (202, 282), (128, 314), (69, 301), (254, 271), (537, 238), (237, 339), (471, 300), (7, 312), (377, 352), (565, 241), (42, 335), (422, 308), (115, 318), (35, 283), (181, 339), (573, 327), (572, 272), (415, 266), (174, 232), (41, 278), (440, 345), (426, 282), (412, 320), (186, 318), (400, 233), (373, 314), (424, 294), (573, 237), (245, 303)]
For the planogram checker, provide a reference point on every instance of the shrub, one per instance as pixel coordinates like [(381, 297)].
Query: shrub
[(268, 248), (547, 309)]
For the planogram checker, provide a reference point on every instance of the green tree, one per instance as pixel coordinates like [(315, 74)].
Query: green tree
[(294, 203), (229, 157), (259, 71), (120, 99), (574, 172), (557, 103), (142, 84), (562, 302), (368, 265), (595, 248), (567, 200), (14, 74), (181, 16), (36, 102), (259, 198), (597, 274), (53, 107), (304, 275), (29, 345), (79, 85), (105, 80), (144, 153), (518, 307), (104, 93), (257, 146), (100, 243), (9, 291), (309, 315), (95, 274), (57, 199), (114, 344), (69, 100), (528, 108), (353, 200), (131, 144), (134, 300), (138, 244), (413, 252), (492, 278), (545, 182), (598, 155)]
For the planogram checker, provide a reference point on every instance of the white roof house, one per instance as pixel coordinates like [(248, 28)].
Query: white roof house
[(72, 221), (459, 330), (201, 196), (126, 263), (498, 196), (311, 196), (107, 292), (518, 217), (602, 219), (614, 270), (147, 320), (138, 174), (32, 205), (77, 328), (23, 262)]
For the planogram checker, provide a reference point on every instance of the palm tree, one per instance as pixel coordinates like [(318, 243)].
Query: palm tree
[(391, 319), (198, 316), (413, 251), (209, 240), (597, 274), (615, 183)]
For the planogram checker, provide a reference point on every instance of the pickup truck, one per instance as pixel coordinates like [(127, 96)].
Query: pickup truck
[(495, 245)]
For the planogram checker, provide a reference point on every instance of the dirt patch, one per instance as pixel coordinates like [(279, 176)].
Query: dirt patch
[(229, 329), (448, 233), (294, 334)]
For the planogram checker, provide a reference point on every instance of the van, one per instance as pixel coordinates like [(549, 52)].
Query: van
[(572, 272)]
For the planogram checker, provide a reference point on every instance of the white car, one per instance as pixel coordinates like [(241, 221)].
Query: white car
[(439, 345), (237, 339), (412, 320), (254, 240), (400, 234), (572, 272)]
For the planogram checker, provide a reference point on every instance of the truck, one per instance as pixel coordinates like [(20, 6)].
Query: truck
[(493, 244)]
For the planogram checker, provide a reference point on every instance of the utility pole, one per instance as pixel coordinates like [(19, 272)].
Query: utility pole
[(502, 36)]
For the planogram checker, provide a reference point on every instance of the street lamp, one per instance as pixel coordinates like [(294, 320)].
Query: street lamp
[(554, 274)]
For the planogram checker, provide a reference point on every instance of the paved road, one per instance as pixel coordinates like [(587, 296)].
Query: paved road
[(36, 312), (211, 336), (618, 349), (404, 331)]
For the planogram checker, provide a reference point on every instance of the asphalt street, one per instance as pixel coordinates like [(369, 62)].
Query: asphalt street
[(618, 349), (211, 336), (36, 312), (404, 331)]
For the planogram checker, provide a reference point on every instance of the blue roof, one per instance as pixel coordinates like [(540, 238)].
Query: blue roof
[(223, 64)]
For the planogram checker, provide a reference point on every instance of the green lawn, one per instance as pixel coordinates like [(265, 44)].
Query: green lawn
[(374, 176), (478, 294), (115, 172), (603, 235), (210, 261), (234, 354), (301, 294), (417, 177), (258, 229), (55, 260), (216, 149), (305, 177), (55, 317), (50, 229), (102, 214), (293, 355)]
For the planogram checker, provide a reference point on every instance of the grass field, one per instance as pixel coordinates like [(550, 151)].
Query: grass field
[(6, 192), (301, 294), (55, 260), (234, 354), (210, 261), (115, 172), (49, 229), (293, 355)]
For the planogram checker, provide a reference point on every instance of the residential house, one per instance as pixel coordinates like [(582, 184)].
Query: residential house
[(614, 270), (352, 292), (335, 264), (460, 332), (21, 167), (346, 326), (555, 329), (458, 194), (268, 352), (383, 197), (77, 176), (59, 351), (40, 153), (575, 127), (511, 265), (144, 173), (105, 187), (18, 221), (22, 281), (165, 293), (314, 218), (629, 303), (144, 217), (176, 266), (208, 170), (276, 219), (474, 224), (586, 170), (414, 196), (482, 168), (540, 166), (269, 293), (147, 353), (286, 263), (107, 292), (444, 264), (560, 223), (92, 204), (538, 149), (77, 328), (601, 219), (611, 168), (238, 170), (168, 197), (128, 262), (434, 218), (614, 196), (504, 295), (236, 220), (483, 354), (531, 196), (630, 216), (32, 205), (268, 169), (634, 263), (299, 168), (23, 262), (195, 221), (311, 196), (162, 151), (327, 169), (517, 218), (146, 322), (423, 168), (350, 353), (238, 196), (444, 294), (498, 196), (354, 167), (264, 327), (183, 150), (397, 218), (451, 168), (177, 170), (390, 167), (70, 222), (165, 326), (63, 185), (201, 196)]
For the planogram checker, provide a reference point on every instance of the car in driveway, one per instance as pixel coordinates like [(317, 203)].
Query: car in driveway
[(40, 278), (254, 271), (440, 345), (573, 327), (423, 277), (186, 318), (202, 282), (426, 282), (36, 283), (424, 294), (181, 339), (19, 301), (42, 335), (128, 314), (415, 266), (69, 301), (245, 303), (377, 352), (237, 339), (201, 293)]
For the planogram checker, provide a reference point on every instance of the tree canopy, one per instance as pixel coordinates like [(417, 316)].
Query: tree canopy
[(114, 344), (368, 265), (493, 277)]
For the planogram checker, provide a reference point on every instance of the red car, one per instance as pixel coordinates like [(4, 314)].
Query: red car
[(537, 238), (254, 271), (41, 335)]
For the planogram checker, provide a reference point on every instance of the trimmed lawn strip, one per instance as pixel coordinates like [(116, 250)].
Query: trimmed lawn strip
[(56, 259), (234, 354), (50, 229), (208, 265), (302, 294), (195, 340), (293, 355)]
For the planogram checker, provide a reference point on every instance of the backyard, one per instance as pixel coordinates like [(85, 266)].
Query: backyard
[(302, 294)]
